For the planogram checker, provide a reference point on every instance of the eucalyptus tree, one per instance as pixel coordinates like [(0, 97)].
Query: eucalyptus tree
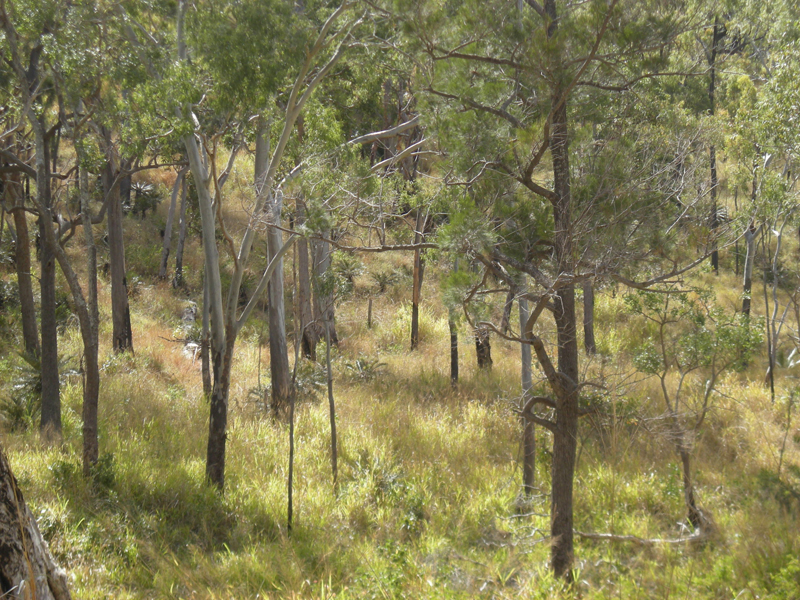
[(34, 99), (511, 84), (275, 59), (58, 62), (766, 146), (17, 172)]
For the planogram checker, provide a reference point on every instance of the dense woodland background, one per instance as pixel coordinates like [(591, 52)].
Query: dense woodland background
[(410, 299)]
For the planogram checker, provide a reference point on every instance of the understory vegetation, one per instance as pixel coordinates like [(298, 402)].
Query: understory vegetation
[(399, 299), (428, 502)]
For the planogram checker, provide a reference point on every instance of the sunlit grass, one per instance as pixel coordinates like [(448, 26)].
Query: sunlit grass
[(428, 500)]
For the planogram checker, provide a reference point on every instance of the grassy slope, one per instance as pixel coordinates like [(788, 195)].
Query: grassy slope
[(428, 501)]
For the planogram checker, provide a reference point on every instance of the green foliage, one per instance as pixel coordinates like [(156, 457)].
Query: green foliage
[(384, 279), (347, 267), (689, 332), (9, 295), (21, 408), (364, 369)]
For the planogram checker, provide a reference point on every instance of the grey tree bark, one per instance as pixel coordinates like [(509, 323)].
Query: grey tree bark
[(22, 260), (419, 269), (27, 569), (324, 294), (717, 35), (588, 318), (177, 280), (309, 332), (162, 271), (51, 392), (225, 318), (122, 336), (280, 374)]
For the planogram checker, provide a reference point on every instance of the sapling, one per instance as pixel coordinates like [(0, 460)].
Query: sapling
[(693, 344)]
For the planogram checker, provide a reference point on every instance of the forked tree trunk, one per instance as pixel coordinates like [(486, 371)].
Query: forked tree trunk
[(122, 336), (528, 431), (22, 260), (177, 280), (166, 248), (588, 318), (483, 348), (27, 570)]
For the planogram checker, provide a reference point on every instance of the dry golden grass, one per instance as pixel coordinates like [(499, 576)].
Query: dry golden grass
[(429, 479)]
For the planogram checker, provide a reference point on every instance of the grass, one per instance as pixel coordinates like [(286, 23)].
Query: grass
[(428, 504)]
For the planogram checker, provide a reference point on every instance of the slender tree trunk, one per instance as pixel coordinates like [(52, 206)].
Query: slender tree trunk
[(90, 333), (51, 396), (323, 288), (122, 336), (177, 281), (588, 318), (419, 267), (712, 63), (22, 260), (770, 375), (27, 569), (310, 333), (693, 513), (483, 348), (332, 409), (162, 271), (528, 431), (750, 241), (508, 306), (205, 342), (453, 350), (278, 345)]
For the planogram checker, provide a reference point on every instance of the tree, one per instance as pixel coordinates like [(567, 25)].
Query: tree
[(694, 343), (326, 44), (556, 80)]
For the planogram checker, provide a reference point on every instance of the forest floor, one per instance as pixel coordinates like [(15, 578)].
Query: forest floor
[(428, 503)]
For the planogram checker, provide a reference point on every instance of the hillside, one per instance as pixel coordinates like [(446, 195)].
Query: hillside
[(428, 502)]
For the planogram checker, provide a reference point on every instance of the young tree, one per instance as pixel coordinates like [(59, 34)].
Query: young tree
[(691, 346)]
